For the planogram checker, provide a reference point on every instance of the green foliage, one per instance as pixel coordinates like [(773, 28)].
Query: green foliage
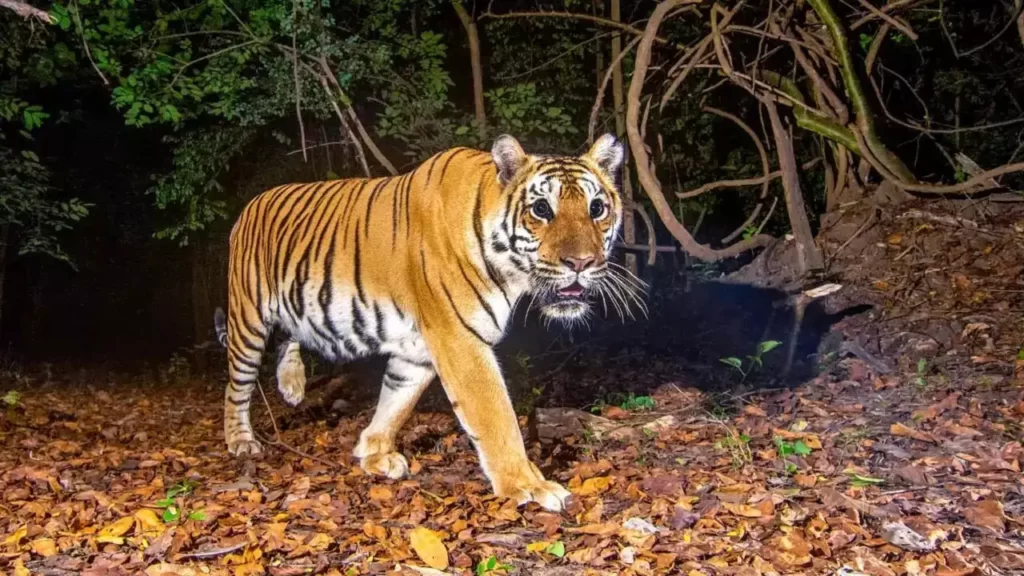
[(172, 511), (31, 60), (11, 398), (756, 361), (786, 448), (921, 375), (491, 566), (556, 549)]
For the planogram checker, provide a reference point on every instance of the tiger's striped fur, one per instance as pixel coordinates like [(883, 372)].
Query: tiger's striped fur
[(426, 269)]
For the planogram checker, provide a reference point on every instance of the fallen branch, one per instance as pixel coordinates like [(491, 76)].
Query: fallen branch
[(975, 185), (215, 552), (26, 11), (643, 162)]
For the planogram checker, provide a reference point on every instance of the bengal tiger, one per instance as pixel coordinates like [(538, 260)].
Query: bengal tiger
[(425, 268)]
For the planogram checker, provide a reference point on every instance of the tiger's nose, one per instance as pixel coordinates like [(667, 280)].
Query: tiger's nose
[(578, 264)]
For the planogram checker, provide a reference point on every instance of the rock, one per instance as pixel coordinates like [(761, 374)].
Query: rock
[(900, 535), (549, 424)]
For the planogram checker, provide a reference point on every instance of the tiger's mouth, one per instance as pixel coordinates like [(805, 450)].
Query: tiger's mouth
[(566, 303)]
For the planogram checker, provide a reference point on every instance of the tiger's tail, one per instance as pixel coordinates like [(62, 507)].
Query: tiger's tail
[(220, 326)]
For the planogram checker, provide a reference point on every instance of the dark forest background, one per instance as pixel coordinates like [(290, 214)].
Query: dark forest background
[(131, 133)]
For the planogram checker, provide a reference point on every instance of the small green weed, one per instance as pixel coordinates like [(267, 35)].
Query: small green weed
[(11, 398), (629, 402), (491, 566), (786, 449), (171, 511), (755, 361), (922, 373), (738, 447), (556, 549)]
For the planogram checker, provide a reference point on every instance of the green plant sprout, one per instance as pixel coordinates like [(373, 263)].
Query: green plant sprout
[(755, 360)]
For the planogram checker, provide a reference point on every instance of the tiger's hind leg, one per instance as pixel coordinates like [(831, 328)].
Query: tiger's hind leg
[(245, 351), (404, 383), (291, 374)]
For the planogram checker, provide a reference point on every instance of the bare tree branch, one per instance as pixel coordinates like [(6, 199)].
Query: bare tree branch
[(599, 99), (26, 11), (643, 162), (325, 67), (901, 26), (573, 16), (85, 44)]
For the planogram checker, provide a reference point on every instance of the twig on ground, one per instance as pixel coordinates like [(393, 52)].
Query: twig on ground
[(215, 552)]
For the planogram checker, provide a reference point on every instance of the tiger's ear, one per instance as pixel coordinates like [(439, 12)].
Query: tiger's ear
[(508, 156), (607, 153)]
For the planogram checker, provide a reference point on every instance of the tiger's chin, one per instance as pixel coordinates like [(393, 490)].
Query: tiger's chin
[(568, 310)]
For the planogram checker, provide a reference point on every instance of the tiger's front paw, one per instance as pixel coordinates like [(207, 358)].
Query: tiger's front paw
[(377, 455), (244, 447), (393, 465), (528, 485)]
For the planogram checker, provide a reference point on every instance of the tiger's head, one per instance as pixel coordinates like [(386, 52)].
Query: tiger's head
[(561, 217)]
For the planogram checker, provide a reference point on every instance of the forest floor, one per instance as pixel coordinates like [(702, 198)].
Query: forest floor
[(914, 469)]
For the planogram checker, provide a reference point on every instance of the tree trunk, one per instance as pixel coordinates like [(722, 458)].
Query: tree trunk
[(5, 231), (618, 96), (472, 35), (810, 256)]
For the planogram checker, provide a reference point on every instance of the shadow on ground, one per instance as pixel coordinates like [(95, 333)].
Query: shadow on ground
[(691, 326)]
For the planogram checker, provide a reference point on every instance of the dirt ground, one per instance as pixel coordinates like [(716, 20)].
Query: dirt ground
[(898, 452)]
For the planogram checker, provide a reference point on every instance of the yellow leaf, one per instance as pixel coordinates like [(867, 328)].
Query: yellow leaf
[(594, 485), (813, 442), (429, 548), (320, 542), (742, 510), (537, 546), (110, 540), (739, 531), (19, 568), (15, 538), (45, 547), (119, 528), (148, 521), (380, 492)]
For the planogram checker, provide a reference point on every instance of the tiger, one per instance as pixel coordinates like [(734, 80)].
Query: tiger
[(425, 268)]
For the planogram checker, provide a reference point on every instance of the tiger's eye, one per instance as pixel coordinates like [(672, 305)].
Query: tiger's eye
[(597, 208), (541, 210)]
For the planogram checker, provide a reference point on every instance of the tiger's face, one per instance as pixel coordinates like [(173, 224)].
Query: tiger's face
[(562, 217)]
